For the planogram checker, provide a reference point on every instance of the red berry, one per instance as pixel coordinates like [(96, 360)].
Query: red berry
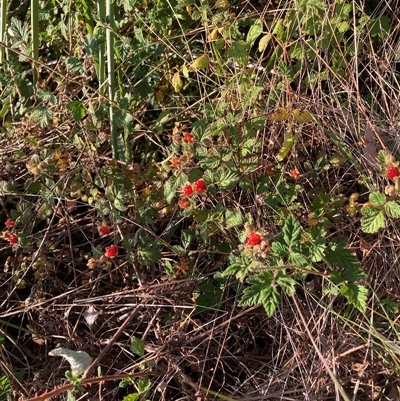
[(184, 203), (9, 223), (104, 229), (111, 251), (200, 186), (294, 173), (13, 239), (187, 190), (188, 138), (254, 239), (392, 172), (175, 161)]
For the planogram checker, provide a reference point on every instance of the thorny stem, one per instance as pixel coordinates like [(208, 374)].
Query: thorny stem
[(86, 382)]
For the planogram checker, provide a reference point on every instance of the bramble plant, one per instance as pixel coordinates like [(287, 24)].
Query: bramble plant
[(293, 255), (380, 205)]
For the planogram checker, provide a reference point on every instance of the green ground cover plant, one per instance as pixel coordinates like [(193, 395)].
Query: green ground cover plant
[(202, 198)]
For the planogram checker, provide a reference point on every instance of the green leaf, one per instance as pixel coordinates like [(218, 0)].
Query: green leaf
[(137, 346), (317, 4), (201, 62), (143, 385), (210, 162), (43, 115), (253, 295), (46, 96), (70, 396), (338, 255), (392, 209), (208, 296), (291, 232), (185, 72), (263, 43), (226, 179), (74, 64), (382, 155), (5, 387), (254, 32), (287, 283), (343, 26), (238, 51), (377, 199), (372, 220), (146, 214), (279, 29), (296, 52), (169, 269), (233, 218), (298, 259), (279, 248), (261, 291), (353, 273), (132, 397), (77, 109), (169, 192), (116, 195), (287, 146), (186, 237), (379, 27), (148, 255), (356, 294), (302, 116), (195, 174), (103, 207), (238, 267), (316, 249), (177, 82), (115, 216)]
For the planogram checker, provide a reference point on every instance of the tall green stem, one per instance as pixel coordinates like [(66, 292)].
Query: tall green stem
[(3, 17), (117, 142), (101, 73), (35, 37)]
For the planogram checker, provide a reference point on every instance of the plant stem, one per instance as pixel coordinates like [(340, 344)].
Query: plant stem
[(3, 17), (86, 382), (101, 72), (117, 142), (35, 38)]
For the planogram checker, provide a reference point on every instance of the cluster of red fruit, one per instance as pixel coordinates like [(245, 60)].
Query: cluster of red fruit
[(187, 138), (112, 250), (198, 187), (10, 237)]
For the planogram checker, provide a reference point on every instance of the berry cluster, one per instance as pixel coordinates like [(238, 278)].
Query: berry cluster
[(198, 187), (9, 235)]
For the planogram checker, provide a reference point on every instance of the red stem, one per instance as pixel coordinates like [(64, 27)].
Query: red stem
[(85, 382)]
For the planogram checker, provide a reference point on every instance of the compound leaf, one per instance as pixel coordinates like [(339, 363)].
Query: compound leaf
[(373, 219), (356, 294)]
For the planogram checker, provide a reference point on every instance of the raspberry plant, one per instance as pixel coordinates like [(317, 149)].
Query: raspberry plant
[(294, 255)]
